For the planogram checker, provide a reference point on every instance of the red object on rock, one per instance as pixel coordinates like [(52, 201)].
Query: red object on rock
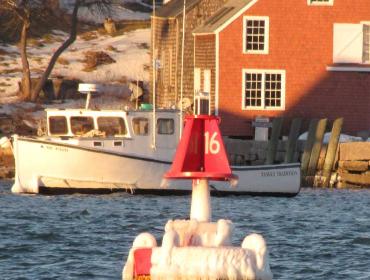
[(201, 152), (142, 261)]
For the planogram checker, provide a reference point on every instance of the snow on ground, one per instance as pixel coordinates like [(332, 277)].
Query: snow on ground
[(342, 139), (117, 13), (130, 51)]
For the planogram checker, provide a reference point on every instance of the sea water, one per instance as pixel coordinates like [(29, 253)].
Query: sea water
[(319, 234)]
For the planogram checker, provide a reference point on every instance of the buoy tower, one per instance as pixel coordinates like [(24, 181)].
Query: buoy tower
[(199, 248)]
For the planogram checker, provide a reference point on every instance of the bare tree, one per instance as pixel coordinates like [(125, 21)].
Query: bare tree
[(25, 10), (22, 10)]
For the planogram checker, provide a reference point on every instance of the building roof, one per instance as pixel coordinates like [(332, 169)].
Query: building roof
[(221, 16), (175, 8)]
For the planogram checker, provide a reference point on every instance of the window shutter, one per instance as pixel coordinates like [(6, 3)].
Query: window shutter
[(196, 80), (366, 57), (207, 81), (348, 43)]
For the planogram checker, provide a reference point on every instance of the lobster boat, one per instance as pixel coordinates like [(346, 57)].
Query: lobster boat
[(103, 151)]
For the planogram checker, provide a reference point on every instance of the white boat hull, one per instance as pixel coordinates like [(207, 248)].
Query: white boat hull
[(49, 167)]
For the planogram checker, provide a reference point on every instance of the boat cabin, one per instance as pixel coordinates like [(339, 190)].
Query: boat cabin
[(79, 123), (116, 130)]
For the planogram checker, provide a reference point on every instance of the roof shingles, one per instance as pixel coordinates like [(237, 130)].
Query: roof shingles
[(174, 8), (231, 8)]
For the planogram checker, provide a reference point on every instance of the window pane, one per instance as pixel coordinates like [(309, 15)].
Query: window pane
[(253, 89), (58, 125), (112, 126), (273, 90), (140, 126), (81, 125), (255, 35), (165, 126)]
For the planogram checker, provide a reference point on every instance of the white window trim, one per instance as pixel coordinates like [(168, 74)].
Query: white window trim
[(347, 69), (262, 107), (267, 34), (329, 3)]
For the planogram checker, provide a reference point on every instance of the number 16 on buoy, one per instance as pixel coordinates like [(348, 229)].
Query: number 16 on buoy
[(201, 156)]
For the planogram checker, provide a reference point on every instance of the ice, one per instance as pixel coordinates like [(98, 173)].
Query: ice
[(342, 139), (201, 250)]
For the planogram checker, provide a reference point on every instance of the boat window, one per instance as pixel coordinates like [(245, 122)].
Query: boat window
[(165, 126), (58, 125), (81, 125), (98, 144), (140, 126), (112, 126), (118, 144)]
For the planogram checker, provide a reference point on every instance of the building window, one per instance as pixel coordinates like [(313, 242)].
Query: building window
[(351, 43), (256, 35), (320, 2), (264, 89)]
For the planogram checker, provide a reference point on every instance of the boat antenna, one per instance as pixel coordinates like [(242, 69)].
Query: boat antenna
[(182, 66), (154, 78)]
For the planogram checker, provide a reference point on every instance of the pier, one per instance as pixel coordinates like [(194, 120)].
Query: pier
[(324, 162)]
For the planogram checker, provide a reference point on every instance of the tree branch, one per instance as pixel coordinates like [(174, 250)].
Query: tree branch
[(59, 51)]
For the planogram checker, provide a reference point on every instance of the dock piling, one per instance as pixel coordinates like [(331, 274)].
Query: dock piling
[(315, 153), (292, 140), (331, 152), (277, 124), (308, 148)]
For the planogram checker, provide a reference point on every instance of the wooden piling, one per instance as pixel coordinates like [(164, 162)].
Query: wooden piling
[(331, 152), (315, 153), (292, 140), (277, 124), (308, 148)]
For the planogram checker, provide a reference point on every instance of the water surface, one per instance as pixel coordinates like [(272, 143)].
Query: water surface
[(320, 234)]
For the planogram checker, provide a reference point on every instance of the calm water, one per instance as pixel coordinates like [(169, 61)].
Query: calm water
[(316, 235)]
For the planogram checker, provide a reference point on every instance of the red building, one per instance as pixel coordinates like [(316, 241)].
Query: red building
[(291, 58)]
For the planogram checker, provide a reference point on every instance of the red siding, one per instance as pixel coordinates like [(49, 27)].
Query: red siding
[(301, 42)]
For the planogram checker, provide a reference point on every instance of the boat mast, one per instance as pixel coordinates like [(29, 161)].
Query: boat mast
[(154, 79), (182, 66)]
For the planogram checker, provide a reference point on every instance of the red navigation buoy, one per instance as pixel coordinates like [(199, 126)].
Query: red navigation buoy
[(201, 156), (198, 248), (201, 153)]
